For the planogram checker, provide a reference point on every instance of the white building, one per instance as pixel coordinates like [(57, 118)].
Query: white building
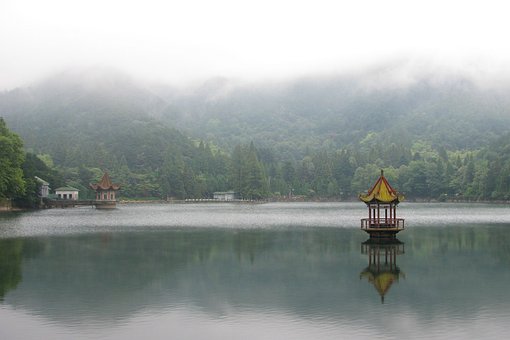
[(225, 196), (67, 193), (44, 190)]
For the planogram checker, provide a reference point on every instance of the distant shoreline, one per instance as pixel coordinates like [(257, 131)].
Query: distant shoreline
[(9, 208), (191, 201)]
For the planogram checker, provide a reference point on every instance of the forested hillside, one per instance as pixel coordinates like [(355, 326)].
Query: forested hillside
[(436, 135), (331, 113), (84, 125), (444, 138)]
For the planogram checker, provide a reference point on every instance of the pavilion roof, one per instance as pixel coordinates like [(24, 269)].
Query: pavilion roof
[(105, 184), (381, 192)]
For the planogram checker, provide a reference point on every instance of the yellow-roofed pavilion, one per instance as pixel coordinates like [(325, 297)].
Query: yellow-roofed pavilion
[(382, 201)]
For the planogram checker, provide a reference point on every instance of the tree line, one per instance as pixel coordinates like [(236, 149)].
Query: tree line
[(183, 169)]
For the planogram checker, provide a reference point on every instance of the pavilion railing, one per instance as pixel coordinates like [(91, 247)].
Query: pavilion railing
[(397, 223)]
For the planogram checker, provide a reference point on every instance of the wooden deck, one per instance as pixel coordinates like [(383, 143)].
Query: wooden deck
[(383, 228)]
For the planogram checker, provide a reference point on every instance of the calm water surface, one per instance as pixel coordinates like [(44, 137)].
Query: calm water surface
[(268, 271)]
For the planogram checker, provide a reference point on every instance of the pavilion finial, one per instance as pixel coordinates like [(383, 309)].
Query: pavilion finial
[(382, 172)]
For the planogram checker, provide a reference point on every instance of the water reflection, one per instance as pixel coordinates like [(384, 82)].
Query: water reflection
[(382, 270), (109, 277), (12, 253), (10, 265), (292, 282)]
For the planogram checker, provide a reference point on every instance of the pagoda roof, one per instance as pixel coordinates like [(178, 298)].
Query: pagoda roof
[(381, 192), (105, 184)]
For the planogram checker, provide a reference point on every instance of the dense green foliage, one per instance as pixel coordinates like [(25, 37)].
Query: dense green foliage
[(316, 138), (421, 172), (437, 138), (18, 170), (33, 166), (11, 159), (247, 175)]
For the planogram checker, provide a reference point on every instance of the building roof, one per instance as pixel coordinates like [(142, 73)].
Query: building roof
[(42, 181), (381, 192), (105, 184), (66, 189)]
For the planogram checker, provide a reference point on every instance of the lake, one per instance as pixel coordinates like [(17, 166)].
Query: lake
[(254, 271)]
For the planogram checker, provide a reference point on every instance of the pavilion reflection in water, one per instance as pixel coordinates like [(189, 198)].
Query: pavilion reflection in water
[(382, 270)]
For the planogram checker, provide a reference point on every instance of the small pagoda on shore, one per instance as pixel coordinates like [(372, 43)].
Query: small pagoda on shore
[(382, 201), (105, 193)]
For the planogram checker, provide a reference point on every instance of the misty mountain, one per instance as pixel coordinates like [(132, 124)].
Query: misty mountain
[(77, 112), (103, 120), (291, 117), (316, 136), (334, 112)]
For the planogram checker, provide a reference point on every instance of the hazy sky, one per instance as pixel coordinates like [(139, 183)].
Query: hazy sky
[(179, 41)]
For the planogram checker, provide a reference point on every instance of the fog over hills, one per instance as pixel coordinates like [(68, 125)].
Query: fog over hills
[(335, 111), (317, 135), (382, 105)]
